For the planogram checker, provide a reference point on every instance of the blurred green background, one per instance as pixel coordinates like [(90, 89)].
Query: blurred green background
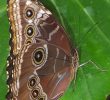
[(88, 24)]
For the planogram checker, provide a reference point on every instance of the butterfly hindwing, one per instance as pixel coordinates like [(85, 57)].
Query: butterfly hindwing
[(41, 61)]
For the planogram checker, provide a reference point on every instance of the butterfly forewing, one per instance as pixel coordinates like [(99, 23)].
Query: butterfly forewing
[(41, 61)]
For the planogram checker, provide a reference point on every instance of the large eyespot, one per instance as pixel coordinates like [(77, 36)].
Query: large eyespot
[(35, 93), (29, 13), (29, 30), (39, 56)]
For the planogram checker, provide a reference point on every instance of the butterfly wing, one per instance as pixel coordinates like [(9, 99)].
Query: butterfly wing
[(41, 59)]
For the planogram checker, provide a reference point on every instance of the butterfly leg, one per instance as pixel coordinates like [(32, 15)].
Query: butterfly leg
[(74, 81), (93, 63)]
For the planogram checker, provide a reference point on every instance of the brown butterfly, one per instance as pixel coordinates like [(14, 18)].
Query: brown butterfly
[(42, 61)]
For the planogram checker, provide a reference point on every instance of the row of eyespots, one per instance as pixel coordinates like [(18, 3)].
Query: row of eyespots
[(33, 81), (38, 57), (29, 14), (39, 54)]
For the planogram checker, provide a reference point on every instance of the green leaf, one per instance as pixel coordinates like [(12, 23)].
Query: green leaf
[(4, 47), (88, 24)]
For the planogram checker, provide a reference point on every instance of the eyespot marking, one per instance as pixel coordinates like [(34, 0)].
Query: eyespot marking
[(35, 93), (28, 41), (29, 13), (39, 56), (33, 81), (29, 31)]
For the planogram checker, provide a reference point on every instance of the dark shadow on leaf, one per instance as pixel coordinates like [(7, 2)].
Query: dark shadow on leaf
[(108, 97)]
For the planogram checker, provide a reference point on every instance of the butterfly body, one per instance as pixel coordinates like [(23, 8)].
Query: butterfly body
[(42, 62)]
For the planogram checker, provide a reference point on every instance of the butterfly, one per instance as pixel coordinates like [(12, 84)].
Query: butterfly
[(42, 61)]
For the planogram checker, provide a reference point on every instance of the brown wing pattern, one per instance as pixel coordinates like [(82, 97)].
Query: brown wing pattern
[(41, 64)]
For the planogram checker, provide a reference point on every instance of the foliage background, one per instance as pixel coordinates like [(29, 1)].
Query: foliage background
[(88, 24)]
